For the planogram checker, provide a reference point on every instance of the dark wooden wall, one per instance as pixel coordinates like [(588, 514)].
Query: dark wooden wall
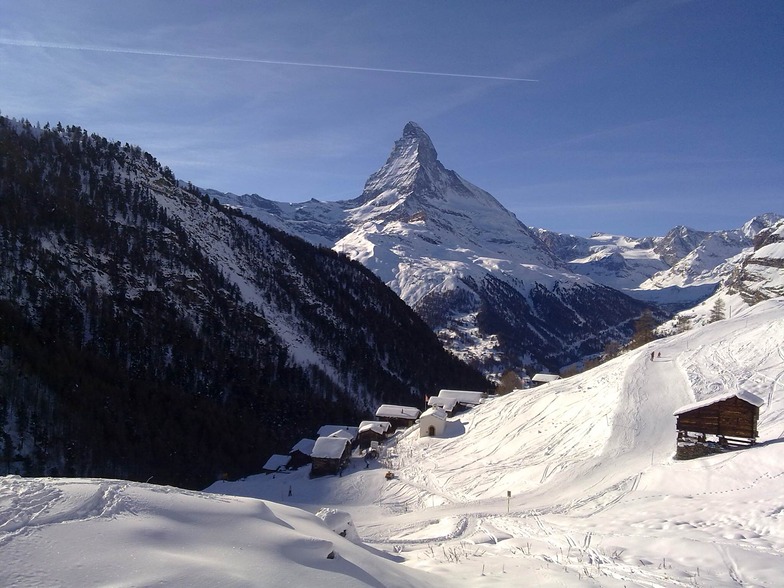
[(731, 418)]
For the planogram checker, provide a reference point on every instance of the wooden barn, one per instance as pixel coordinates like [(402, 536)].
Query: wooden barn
[(329, 456), (370, 431), (398, 416), (300, 453), (731, 417)]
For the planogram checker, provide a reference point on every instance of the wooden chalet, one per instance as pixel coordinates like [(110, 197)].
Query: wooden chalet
[(731, 418), (329, 456), (370, 431), (300, 453), (398, 416), (343, 431), (432, 423)]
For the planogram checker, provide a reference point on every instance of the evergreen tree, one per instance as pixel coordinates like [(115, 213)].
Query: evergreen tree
[(717, 312)]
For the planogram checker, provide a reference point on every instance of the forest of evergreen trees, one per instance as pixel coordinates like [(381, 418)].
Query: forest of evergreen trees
[(127, 350)]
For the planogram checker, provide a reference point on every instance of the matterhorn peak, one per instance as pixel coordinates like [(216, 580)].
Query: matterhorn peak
[(415, 136), (414, 146), (414, 184), (413, 161)]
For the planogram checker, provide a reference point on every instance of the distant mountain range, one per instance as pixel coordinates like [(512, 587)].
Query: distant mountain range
[(677, 270), (498, 293)]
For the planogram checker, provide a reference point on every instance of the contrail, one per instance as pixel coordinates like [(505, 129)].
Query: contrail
[(99, 49)]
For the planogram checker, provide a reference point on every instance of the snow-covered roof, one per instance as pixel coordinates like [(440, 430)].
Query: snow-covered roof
[(435, 412), (752, 399), (345, 434), (304, 445), (329, 447), (448, 404), (463, 396), (393, 411), (327, 430), (545, 377), (276, 462), (379, 427)]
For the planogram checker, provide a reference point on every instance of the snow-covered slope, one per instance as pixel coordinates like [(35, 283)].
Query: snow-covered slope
[(89, 532), (596, 497), (569, 484)]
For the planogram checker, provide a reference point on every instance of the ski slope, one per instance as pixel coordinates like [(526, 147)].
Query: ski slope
[(596, 496), (569, 484)]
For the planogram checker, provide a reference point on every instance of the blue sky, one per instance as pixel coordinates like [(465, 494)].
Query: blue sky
[(644, 115)]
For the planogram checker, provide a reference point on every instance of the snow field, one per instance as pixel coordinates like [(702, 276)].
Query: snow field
[(104, 533), (596, 497)]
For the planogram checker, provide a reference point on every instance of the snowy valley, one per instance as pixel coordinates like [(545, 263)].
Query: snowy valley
[(596, 498)]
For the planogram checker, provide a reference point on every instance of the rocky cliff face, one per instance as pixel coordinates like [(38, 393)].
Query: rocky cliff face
[(760, 274)]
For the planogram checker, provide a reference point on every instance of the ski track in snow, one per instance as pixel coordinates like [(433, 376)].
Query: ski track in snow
[(629, 437)]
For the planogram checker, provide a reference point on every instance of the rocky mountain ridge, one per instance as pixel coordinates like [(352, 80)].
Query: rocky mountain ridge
[(677, 270)]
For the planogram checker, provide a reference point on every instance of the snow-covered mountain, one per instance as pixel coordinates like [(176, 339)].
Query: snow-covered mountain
[(679, 270), (761, 272), (757, 275), (569, 484), (142, 325), (485, 282)]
